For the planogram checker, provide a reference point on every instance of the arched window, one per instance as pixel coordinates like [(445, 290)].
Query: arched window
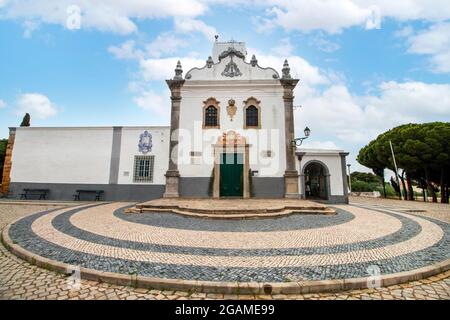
[(252, 117), (211, 114), (211, 117), (252, 113)]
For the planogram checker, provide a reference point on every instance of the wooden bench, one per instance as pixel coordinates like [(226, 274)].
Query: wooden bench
[(97, 194), (42, 193)]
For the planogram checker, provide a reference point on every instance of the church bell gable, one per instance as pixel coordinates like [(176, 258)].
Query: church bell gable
[(228, 62)]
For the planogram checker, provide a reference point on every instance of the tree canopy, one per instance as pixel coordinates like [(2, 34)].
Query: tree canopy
[(3, 145), (422, 153)]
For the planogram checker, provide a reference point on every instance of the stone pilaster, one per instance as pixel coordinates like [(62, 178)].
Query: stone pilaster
[(344, 174), (291, 174), (172, 175), (302, 191), (6, 179)]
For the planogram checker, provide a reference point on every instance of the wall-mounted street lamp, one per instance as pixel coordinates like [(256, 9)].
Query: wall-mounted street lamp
[(299, 141)]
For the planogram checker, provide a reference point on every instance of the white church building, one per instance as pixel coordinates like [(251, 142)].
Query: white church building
[(231, 135)]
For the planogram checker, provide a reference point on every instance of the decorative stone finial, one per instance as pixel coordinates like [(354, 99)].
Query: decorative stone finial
[(178, 72), (209, 62), (254, 62), (286, 70)]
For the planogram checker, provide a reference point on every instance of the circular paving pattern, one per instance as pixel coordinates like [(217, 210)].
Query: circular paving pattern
[(289, 249)]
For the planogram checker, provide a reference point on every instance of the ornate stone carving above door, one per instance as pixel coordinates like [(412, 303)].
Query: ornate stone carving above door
[(231, 109)]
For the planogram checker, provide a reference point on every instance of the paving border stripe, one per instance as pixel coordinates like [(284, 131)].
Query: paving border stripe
[(384, 240), (300, 287)]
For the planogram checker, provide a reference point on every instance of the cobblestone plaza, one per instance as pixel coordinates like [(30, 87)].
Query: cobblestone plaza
[(391, 237)]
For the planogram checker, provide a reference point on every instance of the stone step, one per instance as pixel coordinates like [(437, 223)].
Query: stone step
[(234, 215), (231, 210)]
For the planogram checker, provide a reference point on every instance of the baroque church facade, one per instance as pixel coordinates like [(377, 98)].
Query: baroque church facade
[(231, 134)]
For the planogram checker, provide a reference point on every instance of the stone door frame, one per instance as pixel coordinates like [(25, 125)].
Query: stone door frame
[(231, 142)]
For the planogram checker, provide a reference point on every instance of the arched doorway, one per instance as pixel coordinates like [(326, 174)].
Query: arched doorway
[(317, 184)]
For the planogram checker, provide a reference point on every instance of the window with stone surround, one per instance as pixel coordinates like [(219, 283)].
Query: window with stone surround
[(143, 169), (211, 114), (252, 114), (252, 117)]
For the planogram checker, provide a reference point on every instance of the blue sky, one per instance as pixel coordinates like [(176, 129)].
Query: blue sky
[(365, 66)]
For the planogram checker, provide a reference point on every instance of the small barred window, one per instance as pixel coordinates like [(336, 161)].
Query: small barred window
[(211, 117), (143, 168), (252, 117)]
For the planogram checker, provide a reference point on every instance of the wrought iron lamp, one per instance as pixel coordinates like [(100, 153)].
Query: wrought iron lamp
[(299, 141)]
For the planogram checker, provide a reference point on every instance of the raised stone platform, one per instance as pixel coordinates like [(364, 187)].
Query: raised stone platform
[(233, 208)]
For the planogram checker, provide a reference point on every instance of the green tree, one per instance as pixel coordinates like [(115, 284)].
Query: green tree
[(3, 145), (422, 154), (368, 158), (26, 122), (364, 176)]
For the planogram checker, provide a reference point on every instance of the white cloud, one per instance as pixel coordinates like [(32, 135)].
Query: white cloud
[(2, 104), (157, 103), (417, 100), (29, 27), (284, 49), (404, 32), (165, 43), (330, 109), (306, 15), (331, 16), (189, 25), (308, 74), (327, 145), (334, 16), (323, 44), (162, 69), (336, 112), (126, 50), (434, 42), (36, 104), (105, 15)]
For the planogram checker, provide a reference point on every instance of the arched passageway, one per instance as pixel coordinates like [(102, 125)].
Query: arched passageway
[(316, 181)]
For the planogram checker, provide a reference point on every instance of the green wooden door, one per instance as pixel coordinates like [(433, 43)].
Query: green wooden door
[(231, 175)]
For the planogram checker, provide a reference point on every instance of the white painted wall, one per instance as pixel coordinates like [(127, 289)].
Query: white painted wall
[(62, 155), (270, 137), (129, 149), (83, 155), (332, 159)]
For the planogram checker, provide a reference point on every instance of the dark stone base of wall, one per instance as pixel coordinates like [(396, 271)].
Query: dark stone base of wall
[(267, 187), (189, 188), (196, 187), (113, 192), (338, 200)]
